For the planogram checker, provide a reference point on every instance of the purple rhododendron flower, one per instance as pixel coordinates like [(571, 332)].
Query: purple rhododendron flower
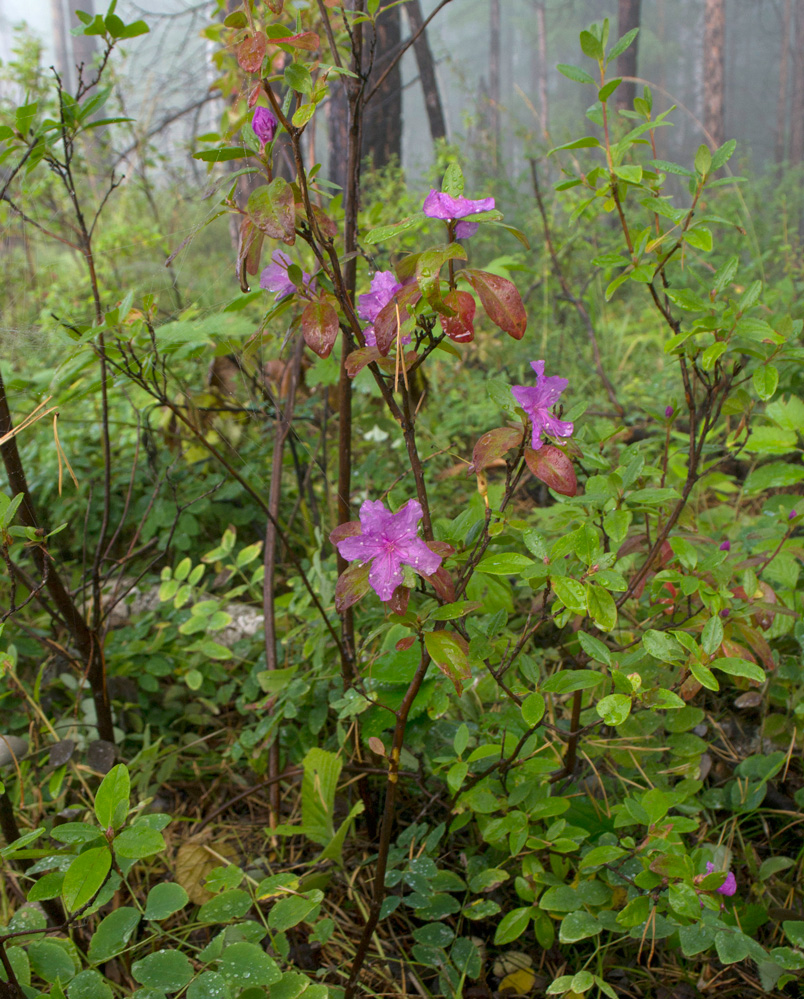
[(384, 286), (729, 886), (265, 125), (537, 403), (668, 411), (391, 541), (438, 205), (725, 546), (275, 276)]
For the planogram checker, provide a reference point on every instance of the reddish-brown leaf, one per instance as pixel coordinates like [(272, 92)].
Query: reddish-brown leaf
[(391, 366), (493, 445), (554, 468), (398, 604), (325, 223), (348, 530), (459, 327), (442, 548), (405, 643), (271, 210), (758, 643), (351, 586), (501, 300), (319, 323), (307, 40), (376, 746), (249, 248), (443, 584), (275, 6), (359, 358), (251, 52), (394, 313)]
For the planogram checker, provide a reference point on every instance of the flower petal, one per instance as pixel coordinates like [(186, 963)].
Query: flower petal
[(385, 574)]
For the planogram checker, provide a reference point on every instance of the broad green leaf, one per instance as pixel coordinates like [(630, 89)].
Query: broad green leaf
[(112, 798), (766, 380), (165, 899), (138, 841), (169, 970), (245, 964), (512, 925), (740, 667), (291, 911), (113, 933), (85, 876), (504, 563), (614, 708)]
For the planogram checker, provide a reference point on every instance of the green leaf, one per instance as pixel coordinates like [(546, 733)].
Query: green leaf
[(568, 680), (165, 899), (504, 563), (51, 961), (574, 73), (89, 984), (602, 608), (578, 926), (740, 667), (570, 592), (630, 173), (450, 653), (47, 887), (512, 925), (138, 841), (85, 876), (246, 964), (303, 114), (113, 933), (169, 970), (533, 709), (211, 985), (766, 380), (712, 636), (288, 912), (703, 160), (732, 946), (383, 232), (614, 708), (321, 772), (297, 77), (619, 47), (587, 142), (590, 45), (601, 855), (224, 908), (453, 180), (594, 648), (112, 798)]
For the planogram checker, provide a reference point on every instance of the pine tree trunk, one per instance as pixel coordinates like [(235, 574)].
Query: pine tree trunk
[(781, 103), (426, 65), (628, 17), (60, 39), (797, 108), (539, 68), (84, 47), (494, 79), (714, 58), (382, 125)]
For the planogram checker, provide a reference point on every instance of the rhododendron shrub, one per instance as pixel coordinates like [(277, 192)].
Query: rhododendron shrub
[(509, 595)]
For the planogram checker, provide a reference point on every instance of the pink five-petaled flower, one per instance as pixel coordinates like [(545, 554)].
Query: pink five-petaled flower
[(389, 541), (537, 403), (275, 276), (384, 286), (438, 205), (729, 886), (264, 124)]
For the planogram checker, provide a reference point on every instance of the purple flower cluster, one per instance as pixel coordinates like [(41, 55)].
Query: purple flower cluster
[(537, 402), (438, 205), (275, 276), (389, 541)]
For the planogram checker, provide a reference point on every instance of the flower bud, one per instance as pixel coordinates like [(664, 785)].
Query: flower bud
[(792, 515), (725, 546), (264, 124), (669, 412)]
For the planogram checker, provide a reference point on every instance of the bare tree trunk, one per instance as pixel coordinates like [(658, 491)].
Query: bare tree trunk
[(628, 17), (59, 24), (337, 133), (494, 79), (84, 46), (781, 103), (382, 125), (541, 29), (714, 57), (424, 60), (797, 108)]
